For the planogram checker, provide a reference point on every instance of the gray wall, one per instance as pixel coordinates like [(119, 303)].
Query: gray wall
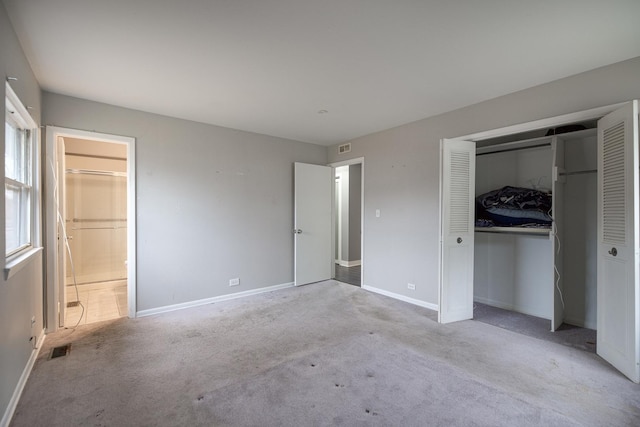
[(212, 203), (355, 211), (21, 295), (403, 171)]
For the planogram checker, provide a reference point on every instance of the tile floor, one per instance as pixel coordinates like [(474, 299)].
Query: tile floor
[(102, 301)]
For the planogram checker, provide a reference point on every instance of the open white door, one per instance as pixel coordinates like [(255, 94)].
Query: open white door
[(557, 193), (618, 291), (60, 195), (312, 223), (54, 240), (457, 234)]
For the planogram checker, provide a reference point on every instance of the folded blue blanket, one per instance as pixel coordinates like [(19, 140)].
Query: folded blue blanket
[(511, 206)]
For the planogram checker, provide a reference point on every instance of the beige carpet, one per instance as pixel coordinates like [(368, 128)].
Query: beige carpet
[(323, 354), (368, 380)]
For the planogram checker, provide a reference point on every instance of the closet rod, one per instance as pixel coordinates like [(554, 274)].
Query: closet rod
[(579, 172), (506, 150), (95, 172)]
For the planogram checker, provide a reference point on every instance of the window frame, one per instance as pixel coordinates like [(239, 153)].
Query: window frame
[(27, 185)]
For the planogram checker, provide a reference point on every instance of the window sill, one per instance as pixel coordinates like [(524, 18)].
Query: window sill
[(19, 262)]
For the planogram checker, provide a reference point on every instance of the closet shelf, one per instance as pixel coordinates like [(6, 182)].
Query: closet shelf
[(515, 230)]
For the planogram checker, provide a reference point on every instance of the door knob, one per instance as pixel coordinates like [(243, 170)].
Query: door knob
[(613, 252), (459, 240)]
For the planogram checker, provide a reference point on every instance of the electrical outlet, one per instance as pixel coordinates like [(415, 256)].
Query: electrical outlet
[(234, 282), (411, 286)]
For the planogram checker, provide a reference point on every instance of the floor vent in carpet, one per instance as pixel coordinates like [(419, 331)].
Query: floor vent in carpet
[(63, 350), (73, 303)]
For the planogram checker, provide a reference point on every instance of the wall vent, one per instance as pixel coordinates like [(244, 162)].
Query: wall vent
[(344, 148)]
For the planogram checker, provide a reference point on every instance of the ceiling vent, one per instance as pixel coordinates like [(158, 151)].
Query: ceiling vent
[(344, 148)]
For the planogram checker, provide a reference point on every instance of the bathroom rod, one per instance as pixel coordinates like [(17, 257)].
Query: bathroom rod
[(95, 172), (96, 219), (93, 156), (99, 228)]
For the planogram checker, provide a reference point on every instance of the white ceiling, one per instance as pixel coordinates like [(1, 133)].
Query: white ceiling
[(269, 66)]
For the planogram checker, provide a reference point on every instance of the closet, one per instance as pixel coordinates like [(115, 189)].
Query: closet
[(542, 269), (585, 268)]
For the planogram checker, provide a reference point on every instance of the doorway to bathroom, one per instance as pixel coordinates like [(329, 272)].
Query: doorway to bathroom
[(95, 217), (90, 253)]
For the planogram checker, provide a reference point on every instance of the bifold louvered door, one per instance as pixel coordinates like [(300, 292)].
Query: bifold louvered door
[(458, 194), (618, 291)]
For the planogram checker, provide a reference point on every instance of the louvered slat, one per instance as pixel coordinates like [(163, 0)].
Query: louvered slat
[(613, 181), (459, 192)]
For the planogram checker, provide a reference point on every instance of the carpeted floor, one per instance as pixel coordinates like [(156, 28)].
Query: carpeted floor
[(322, 354), (574, 336)]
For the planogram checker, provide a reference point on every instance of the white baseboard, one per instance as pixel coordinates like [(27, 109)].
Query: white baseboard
[(13, 403), (402, 297), (168, 308), (510, 307), (354, 263)]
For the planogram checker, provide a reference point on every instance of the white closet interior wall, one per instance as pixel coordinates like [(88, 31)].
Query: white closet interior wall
[(579, 243), (514, 271)]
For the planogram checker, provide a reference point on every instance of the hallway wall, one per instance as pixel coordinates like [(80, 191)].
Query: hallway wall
[(355, 212)]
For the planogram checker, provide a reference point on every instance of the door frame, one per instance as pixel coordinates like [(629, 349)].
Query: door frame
[(354, 161), (338, 213), (54, 287), (591, 114)]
